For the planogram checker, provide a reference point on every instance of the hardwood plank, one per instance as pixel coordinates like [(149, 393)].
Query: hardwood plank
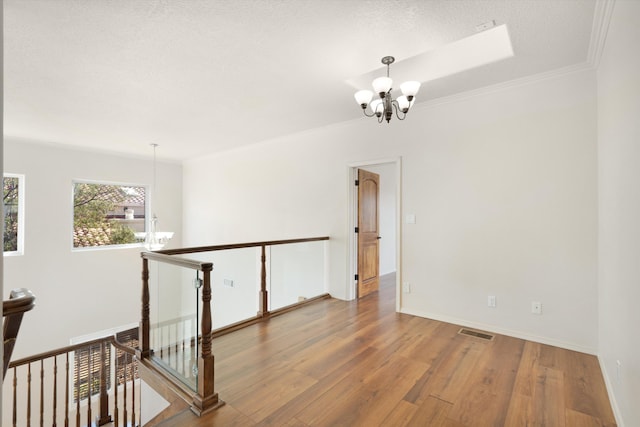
[(525, 378), (548, 405), (421, 333), (264, 396), (448, 375), (225, 416), (585, 389), (435, 351), (487, 391), (320, 360), (520, 410), (353, 367), (578, 419), (388, 384), (432, 412), (343, 404), (401, 414), (295, 423)]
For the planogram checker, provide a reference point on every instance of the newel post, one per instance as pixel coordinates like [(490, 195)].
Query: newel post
[(143, 351), (263, 307), (104, 417), (207, 398)]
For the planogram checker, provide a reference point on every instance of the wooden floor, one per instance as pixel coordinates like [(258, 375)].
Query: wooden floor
[(337, 363)]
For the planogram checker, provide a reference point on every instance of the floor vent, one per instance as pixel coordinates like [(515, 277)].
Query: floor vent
[(477, 334)]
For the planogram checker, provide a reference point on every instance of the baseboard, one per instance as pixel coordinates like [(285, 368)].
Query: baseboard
[(612, 398), (502, 331)]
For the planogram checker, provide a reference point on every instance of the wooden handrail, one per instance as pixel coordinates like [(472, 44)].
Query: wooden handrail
[(21, 300), (70, 348), (180, 262), (238, 246)]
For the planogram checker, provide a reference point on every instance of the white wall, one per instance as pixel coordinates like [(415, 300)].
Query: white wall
[(619, 209), (387, 214), (231, 304), (503, 186), (78, 292)]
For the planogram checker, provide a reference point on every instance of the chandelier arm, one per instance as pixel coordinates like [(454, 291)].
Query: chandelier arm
[(396, 109), (364, 111)]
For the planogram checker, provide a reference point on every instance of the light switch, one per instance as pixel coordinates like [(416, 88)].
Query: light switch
[(411, 219)]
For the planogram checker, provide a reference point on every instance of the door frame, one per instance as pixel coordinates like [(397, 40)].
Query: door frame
[(353, 221)]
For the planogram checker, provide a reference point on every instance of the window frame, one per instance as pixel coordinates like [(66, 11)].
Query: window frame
[(147, 210), (21, 214)]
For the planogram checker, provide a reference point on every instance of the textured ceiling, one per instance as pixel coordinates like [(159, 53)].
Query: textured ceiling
[(198, 76)]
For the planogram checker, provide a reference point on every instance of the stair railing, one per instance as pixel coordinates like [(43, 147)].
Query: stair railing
[(90, 383), (198, 390), (21, 300)]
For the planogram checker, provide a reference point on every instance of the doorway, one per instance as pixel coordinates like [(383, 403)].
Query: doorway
[(388, 251)]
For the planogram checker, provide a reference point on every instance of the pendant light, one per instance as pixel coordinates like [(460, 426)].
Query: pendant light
[(154, 239)]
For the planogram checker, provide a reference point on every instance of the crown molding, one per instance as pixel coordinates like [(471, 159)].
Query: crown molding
[(18, 140), (599, 30), (510, 84)]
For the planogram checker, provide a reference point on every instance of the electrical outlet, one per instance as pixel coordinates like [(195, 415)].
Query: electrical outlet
[(536, 307), (491, 301), (406, 287), (228, 282)]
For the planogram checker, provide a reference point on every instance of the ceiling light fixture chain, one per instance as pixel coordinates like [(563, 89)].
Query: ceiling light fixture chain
[(155, 174), (384, 107), (154, 239)]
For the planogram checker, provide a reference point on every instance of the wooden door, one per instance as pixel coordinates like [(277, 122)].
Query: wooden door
[(368, 229)]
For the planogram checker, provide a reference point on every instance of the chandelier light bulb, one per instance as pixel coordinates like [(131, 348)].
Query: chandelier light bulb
[(363, 97), (377, 107), (382, 85), (403, 104), (410, 89)]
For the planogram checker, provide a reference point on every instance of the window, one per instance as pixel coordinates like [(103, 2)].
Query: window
[(87, 360), (13, 200), (125, 366), (108, 214), (87, 370)]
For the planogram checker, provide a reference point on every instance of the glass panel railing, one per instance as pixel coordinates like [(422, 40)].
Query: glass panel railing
[(191, 295), (297, 272), (174, 325), (235, 282)]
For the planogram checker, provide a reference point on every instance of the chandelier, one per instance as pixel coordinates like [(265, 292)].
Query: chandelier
[(384, 107), (154, 239)]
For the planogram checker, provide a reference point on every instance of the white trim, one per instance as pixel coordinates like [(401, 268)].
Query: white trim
[(91, 150), (398, 234), (352, 261), (507, 85), (21, 214), (599, 30), (501, 331), (612, 398), (101, 334), (352, 213)]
